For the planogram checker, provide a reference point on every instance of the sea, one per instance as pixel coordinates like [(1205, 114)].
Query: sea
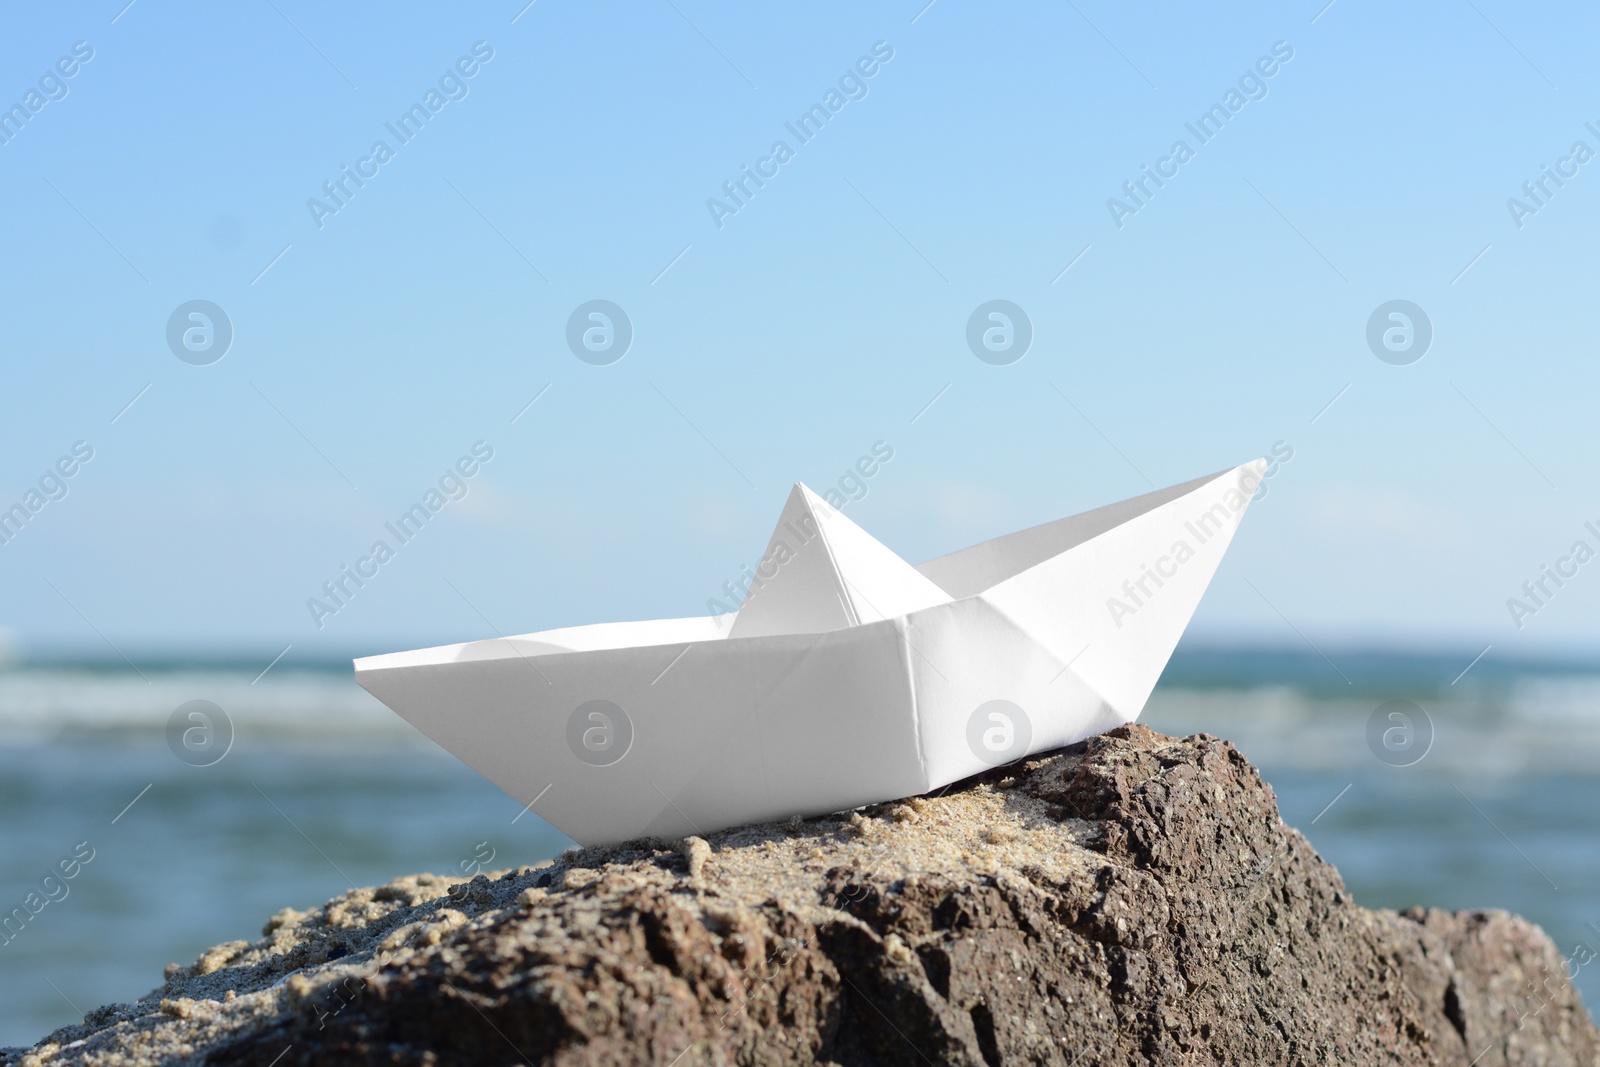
[(190, 802)]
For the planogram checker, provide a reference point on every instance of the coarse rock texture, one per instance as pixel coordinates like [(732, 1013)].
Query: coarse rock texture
[(1134, 899)]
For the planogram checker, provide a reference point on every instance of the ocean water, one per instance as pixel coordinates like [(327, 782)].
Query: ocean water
[(1483, 794)]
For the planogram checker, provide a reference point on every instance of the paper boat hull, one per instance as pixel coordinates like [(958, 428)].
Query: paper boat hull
[(670, 728)]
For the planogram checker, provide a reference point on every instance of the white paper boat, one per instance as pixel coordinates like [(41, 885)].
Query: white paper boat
[(848, 677)]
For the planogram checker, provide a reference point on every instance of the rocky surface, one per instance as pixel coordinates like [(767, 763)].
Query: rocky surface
[(1131, 900)]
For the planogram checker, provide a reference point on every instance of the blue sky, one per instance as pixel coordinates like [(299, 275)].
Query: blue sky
[(373, 347)]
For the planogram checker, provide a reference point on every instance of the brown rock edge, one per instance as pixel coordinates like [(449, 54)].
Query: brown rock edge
[(1134, 899)]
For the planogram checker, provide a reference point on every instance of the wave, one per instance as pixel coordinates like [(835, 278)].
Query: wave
[(1498, 723), (1537, 724), (42, 703)]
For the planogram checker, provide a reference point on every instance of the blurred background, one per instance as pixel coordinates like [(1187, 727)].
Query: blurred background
[(272, 269)]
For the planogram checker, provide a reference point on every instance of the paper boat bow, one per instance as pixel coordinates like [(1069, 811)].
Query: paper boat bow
[(848, 677)]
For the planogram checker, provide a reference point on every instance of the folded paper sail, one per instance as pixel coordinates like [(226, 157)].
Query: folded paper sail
[(847, 677)]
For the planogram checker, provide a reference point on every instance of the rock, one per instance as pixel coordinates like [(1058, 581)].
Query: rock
[(1134, 899)]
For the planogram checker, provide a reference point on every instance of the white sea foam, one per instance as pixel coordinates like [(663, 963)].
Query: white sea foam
[(1534, 723), (39, 703)]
